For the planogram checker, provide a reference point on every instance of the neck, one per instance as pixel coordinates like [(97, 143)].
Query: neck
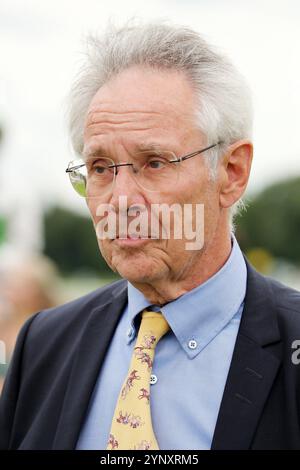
[(207, 263)]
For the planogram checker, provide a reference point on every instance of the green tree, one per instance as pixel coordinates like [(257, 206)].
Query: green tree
[(272, 221), (71, 242)]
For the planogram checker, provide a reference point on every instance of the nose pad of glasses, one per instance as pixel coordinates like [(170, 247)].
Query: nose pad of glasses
[(133, 172)]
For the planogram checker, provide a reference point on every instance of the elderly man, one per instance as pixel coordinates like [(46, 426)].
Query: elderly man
[(159, 117)]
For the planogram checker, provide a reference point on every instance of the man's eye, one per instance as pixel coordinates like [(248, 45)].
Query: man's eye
[(100, 169), (156, 164)]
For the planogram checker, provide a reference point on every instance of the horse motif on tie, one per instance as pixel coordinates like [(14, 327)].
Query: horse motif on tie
[(144, 394), (149, 340), (112, 441), (123, 419), (136, 421), (129, 383), (143, 445), (133, 420), (141, 354), (145, 359)]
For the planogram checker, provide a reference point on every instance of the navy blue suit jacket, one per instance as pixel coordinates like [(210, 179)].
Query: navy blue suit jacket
[(59, 353)]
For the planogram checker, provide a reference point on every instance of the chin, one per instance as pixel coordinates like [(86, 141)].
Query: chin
[(137, 270)]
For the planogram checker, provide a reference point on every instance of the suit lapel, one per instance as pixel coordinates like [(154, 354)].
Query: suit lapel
[(250, 379), (91, 351), (253, 369)]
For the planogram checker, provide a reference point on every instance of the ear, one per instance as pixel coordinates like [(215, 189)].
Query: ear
[(234, 172)]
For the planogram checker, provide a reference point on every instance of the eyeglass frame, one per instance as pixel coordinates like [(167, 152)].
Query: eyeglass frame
[(177, 160)]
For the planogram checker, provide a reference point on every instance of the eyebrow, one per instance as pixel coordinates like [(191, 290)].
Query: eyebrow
[(99, 152), (141, 147), (144, 146)]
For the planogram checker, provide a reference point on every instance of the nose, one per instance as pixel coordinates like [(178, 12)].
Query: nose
[(125, 184)]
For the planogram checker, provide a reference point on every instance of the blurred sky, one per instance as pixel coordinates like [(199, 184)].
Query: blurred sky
[(40, 44)]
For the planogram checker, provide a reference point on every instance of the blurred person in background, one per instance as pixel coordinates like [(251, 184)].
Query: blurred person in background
[(159, 116), (27, 285)]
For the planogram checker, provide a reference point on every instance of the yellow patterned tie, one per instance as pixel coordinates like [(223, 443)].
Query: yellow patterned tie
[(131, 427)]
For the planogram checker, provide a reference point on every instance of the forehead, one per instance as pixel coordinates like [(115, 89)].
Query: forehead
[(143, 99)]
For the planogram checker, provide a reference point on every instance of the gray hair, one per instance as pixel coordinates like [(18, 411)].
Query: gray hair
[(224, 99)]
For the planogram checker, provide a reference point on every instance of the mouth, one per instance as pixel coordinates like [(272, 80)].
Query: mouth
[(133, 240)]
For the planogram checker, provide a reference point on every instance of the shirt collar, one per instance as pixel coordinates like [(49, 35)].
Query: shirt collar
[(202, 313)]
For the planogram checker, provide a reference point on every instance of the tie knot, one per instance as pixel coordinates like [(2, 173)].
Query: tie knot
[(153, 327)]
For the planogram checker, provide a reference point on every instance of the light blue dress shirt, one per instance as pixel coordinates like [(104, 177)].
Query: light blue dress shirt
[(191, 362)]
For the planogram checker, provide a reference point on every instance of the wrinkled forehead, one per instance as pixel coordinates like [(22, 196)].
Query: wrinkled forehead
[(146, 94), (136, 137), (138, 108)]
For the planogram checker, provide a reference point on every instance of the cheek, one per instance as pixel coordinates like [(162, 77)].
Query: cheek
[(202, 191), (92, 207), (107, 252), (105, 247), (193, 183), (99, 211)]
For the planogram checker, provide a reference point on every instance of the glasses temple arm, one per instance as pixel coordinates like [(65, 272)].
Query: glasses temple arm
[(190, 155)]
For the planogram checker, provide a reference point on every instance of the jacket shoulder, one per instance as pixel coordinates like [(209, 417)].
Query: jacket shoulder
[(286, 301), (75, 312), (285, 297)]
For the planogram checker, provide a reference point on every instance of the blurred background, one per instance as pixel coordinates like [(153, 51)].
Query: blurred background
[(48, 250)]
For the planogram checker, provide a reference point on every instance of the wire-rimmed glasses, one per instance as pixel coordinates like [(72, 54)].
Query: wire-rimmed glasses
[(152, 170)]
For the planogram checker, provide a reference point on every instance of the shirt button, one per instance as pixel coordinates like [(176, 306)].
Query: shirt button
[(193, 344), (153, 379)]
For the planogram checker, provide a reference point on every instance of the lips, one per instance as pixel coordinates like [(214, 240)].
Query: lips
[(133, 236)]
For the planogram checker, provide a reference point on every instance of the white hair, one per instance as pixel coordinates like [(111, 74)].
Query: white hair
[(224, 99)]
